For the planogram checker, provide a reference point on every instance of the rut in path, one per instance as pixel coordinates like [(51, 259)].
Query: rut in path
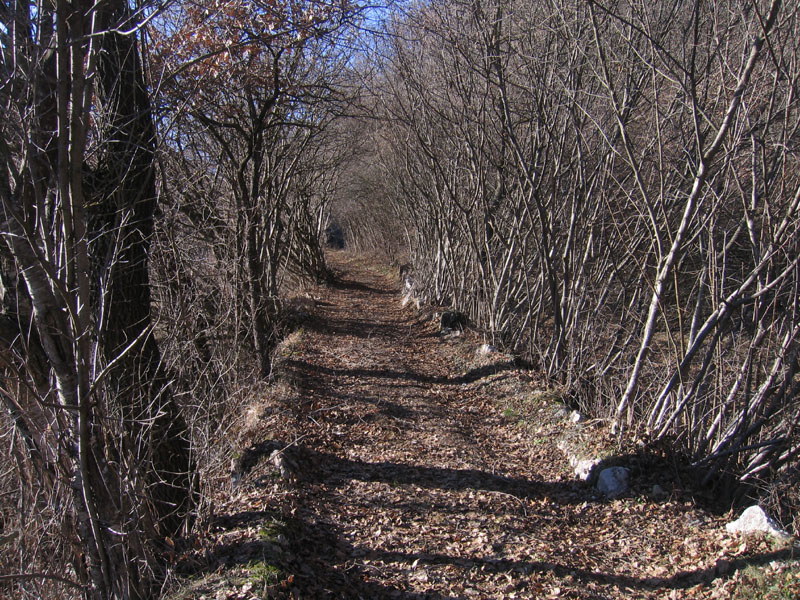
[(413, 482)]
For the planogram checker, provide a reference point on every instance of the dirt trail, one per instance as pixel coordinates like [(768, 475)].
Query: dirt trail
[(411, 480)]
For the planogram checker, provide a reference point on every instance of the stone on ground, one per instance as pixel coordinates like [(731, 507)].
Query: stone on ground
[(754, 519), (613, 482)]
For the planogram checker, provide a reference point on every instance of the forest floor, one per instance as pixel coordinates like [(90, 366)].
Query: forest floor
[(413, 468)]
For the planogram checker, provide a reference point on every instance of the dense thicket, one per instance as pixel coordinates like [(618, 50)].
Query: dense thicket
[(248, 95), (610, 189), (100, 463)]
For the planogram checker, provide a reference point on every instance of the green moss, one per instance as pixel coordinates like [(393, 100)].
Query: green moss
[(545, 397), (264, 574), (269, 532), (759, 583)]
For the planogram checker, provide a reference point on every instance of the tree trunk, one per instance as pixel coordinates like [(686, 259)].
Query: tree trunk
[(80, 333), (122, 219)]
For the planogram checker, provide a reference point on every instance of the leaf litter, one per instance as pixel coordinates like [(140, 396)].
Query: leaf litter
[(413, 469)]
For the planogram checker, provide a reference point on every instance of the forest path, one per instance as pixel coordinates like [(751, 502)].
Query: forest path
[(414, 476)]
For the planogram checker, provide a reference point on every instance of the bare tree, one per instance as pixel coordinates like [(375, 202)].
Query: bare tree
[(84, 385), (255, 96), (609, 189)]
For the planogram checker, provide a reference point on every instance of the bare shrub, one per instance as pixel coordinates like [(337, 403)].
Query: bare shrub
[(613, 193)]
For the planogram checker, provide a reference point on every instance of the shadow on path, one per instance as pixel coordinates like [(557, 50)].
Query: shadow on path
[(393, 331), (349, 284), (310, 370), (681, 580), (322, 468), (332, 470), (325, 565), (328, 547)]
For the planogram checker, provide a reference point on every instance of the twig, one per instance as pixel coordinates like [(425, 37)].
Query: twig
[(294, 443), (517, 498), (325, 408), (41, 576)]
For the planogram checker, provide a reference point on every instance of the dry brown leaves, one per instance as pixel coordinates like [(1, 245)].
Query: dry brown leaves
[(413, 481)]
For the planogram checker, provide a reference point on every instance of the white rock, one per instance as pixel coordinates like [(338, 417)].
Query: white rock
[(613, 482), (486, 349), (575, 417), (583, 468), (755, 519), (562, 413)]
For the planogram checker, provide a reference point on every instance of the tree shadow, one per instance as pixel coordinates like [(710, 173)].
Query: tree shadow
[(325, 564), (314, 561), (309, 370), (394, 331), (315, 467), (680, 580), (333, 470), (358, 286)]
